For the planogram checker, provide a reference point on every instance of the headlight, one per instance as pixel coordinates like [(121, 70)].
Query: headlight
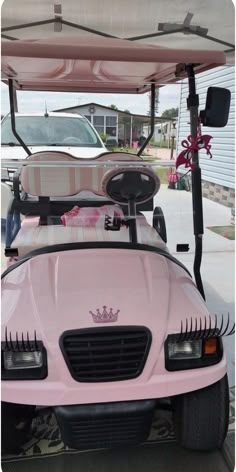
[(180, 355), (185, 350), (23, 360)]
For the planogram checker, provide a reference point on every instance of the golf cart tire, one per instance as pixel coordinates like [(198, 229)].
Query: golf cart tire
[(159, 224), (201, 417), (16, 426)]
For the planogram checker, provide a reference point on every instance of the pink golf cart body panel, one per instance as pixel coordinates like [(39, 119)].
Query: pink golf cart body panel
[(52, 293)]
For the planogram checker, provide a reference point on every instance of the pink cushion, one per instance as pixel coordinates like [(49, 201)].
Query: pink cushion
[(31, 236)]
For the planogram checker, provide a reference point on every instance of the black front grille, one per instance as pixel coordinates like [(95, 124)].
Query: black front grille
[(106, 354)]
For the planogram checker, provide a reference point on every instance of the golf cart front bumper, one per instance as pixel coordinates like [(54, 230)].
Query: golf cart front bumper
[(105, 425)]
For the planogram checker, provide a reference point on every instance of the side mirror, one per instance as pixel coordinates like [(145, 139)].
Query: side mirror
[(216, 112)]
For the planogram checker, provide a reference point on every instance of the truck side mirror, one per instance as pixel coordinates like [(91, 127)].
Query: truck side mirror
[(216, 112)]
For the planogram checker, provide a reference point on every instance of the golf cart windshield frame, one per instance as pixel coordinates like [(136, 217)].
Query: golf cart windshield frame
[(170, 69), (192, 103)]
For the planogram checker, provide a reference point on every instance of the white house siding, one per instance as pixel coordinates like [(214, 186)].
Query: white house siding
[(99, 111), (218, 173)]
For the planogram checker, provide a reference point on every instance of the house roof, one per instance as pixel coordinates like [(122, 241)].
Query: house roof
[(139, 117)]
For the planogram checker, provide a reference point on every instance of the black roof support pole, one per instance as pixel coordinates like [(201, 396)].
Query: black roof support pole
[(193, 104), (13, 121), (153, 94)]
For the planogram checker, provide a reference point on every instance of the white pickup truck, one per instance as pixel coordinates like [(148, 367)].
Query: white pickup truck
[(51, 131)]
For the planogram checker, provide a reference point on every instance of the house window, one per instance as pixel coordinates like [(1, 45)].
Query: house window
[(88, 117), (98, 123), (111, 125)]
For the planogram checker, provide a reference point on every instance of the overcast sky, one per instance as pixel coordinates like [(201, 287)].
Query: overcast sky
[(35, 101)]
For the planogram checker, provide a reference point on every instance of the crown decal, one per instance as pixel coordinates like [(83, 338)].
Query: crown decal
[(105, 316)]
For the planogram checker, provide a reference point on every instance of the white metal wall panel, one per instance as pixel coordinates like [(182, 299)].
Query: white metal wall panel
[(221, 168)]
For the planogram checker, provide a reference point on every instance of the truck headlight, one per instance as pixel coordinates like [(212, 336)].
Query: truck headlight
[(192, 354)]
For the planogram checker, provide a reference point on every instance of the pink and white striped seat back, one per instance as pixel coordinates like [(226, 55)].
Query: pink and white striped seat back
[(45, 181)]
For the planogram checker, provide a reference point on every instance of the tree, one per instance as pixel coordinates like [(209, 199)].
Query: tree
[(114, 107), (170, 113)]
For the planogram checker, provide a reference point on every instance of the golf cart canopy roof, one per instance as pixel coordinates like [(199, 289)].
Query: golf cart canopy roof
[(96, 64)]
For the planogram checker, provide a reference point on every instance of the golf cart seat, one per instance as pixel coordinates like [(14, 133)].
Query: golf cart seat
[(52, 156), (6, 197), (44, 181), (33, 236), (65, 156)]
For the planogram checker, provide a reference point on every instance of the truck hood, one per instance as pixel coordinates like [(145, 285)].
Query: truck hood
[(17, 152)]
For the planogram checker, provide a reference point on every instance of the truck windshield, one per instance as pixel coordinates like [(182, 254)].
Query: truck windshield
[(50, 131)]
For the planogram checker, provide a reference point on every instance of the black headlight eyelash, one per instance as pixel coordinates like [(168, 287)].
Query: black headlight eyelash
[(7, 347), (222, 323), (195, 330), (23, 342), (21, 345), (17, 342), (198, 334), (204, 328), (190, 334), (214, 333), (11, 343), (232, 331), (186, 330), (35, 341), (226, 328)]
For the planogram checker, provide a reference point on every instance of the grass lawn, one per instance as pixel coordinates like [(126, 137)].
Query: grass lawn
[(162, 174), (225, 231), (161, 171)]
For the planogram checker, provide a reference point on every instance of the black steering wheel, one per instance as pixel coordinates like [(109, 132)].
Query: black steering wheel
[(137, 184), (71, 139)]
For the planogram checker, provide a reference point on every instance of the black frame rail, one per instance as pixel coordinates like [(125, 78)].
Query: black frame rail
[(193, 104), (13, 121)]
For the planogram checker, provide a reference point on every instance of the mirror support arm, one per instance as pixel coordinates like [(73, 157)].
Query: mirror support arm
[(193, 104)]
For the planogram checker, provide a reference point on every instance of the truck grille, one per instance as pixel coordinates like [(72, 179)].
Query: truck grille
[(106, 354)]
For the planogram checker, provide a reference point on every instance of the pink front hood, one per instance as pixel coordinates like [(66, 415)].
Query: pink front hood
[(55, 292)]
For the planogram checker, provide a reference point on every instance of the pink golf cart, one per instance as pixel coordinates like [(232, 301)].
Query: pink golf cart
[(99, 321)]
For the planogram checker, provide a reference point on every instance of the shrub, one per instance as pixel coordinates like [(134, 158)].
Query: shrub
[(103, 137)]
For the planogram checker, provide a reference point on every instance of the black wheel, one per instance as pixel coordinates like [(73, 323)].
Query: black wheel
[(16, 425), (159, 224), (201, 418)]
